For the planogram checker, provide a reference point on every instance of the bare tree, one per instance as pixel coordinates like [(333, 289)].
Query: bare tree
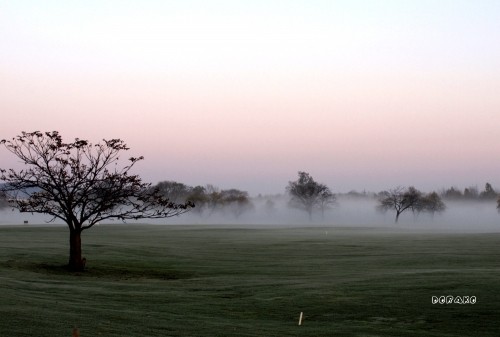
[(399, 199), (307, 194), (81, 184)]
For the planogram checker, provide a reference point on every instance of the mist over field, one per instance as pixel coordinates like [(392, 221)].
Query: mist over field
[(459, 216)]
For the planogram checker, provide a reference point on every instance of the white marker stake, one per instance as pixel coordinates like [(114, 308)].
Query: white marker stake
[(300, 318)]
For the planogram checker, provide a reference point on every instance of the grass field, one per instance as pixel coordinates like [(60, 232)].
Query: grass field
[(237, 281)]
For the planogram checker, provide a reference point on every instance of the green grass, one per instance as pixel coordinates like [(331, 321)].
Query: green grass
[(236, 281)]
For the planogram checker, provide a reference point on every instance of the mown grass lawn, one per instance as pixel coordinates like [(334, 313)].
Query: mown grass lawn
[(243, 281)]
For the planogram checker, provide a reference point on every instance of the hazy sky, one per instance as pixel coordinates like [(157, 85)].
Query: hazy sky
[(361, 94)]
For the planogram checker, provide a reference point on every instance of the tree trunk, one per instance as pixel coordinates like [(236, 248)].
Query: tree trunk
[(397, 216), (76, 263)]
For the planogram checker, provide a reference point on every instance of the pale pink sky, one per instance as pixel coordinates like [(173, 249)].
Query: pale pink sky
[(361, 94)]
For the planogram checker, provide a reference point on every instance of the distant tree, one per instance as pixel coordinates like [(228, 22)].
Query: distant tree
[(326, 200), (399, 199), (270, 206), (308, 195), (471, 193), (489, 193), (236, 201), (174, 191), (358, 195), (498, 204), (199, 197), (430, 203), (214, 198), (81, 184), (452, 193)]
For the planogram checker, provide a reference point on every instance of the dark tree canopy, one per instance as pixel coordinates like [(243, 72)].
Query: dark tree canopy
[(174, 191), (80, 183), (307, 194), (489, 193), (199, 197), (236, 200), (430, 203), (452, 193), (471, 193), (209, 197)]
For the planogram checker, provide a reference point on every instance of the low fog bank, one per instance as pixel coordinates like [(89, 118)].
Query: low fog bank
[(459, 216), (354, 212)]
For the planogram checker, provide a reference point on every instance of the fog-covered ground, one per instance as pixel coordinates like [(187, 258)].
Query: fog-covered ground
[(349, 212)]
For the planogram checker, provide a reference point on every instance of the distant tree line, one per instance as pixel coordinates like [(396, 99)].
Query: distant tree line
[(470, 193), (304, 194), (208, 199), (311, 196)]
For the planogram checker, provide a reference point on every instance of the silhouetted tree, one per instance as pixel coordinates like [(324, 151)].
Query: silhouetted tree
[(430, 203), (353, 194), (326, 200), (236, 201), (199, 197), (452, 193), (489, 193), (471, 193), (81, 184), (399, 200), (307, 194), (174, 191), (214, 198), (498, 203)]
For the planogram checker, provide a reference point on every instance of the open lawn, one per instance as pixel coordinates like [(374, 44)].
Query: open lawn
[(243, 281)]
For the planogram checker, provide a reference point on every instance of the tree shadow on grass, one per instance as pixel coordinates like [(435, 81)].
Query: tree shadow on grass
[(97, 271)]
